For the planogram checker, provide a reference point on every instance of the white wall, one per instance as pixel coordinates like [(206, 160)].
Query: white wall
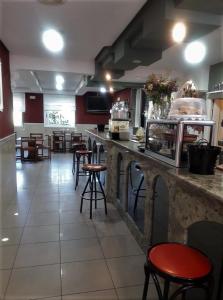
[(7, 171)]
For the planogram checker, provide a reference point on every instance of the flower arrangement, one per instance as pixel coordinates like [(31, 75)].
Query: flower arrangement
[(158, 87)]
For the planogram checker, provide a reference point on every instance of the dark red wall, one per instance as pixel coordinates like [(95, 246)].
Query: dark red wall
[(83, 117), (6, 121), (124, 95), (34, 108)]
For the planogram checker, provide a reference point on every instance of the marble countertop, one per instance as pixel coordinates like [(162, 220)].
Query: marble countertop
[(211, 185)]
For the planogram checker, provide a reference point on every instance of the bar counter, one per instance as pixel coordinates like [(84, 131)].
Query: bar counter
[(190, 198)]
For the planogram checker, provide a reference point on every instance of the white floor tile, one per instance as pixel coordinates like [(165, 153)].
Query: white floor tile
[(34, 283), (120, 245), (82, 249), (76, 231), (127, 271), (99, 295), (40, 234), (38, 254), (7, 256), (85, 276)]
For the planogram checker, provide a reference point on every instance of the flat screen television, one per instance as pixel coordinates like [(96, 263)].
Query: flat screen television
[(98, 104)]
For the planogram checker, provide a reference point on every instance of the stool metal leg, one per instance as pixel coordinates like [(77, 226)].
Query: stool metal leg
[(91, 190), (166, 290), (102, 190), (146, 283), (73, 168), (82, 195), (77, 171), (183, 289), (95, 191)]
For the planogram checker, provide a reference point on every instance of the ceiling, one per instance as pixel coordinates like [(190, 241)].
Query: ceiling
[(101, 35)]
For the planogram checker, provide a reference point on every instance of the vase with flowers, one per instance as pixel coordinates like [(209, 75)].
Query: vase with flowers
[(159, 90)]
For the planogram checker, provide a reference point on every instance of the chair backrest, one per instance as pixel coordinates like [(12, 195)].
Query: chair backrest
[(58, 133), (76, 137), (36, 135), (27, 141)]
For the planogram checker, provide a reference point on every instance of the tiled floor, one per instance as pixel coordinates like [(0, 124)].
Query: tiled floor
[(48, 250)]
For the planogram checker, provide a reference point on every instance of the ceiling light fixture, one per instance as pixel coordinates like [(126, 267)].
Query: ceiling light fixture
[(179, 32), (53, 40), (103, 89), (137, 61), (59, 87), (111, 89), (108, 76), (195, 52), (59, 79)]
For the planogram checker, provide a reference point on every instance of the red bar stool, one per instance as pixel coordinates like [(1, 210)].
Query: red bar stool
[(91, 186), (85, 155), (180, 264)]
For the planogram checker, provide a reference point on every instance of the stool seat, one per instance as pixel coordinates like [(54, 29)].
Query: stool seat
[(182, 265), (94, 167), (83, 152), (179, 260)]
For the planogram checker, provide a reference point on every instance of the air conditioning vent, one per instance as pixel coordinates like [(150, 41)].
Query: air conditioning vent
[(52, 2)]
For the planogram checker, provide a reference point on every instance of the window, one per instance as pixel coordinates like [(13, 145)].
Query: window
[(59, 111), (18, 108)]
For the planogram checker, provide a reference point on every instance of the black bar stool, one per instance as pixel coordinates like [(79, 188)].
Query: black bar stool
[(76, 147), (181, 264), (85, 155), (91, 186)]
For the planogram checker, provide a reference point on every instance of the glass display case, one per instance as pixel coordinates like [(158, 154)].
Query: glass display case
[(167, 140), (119, 122)]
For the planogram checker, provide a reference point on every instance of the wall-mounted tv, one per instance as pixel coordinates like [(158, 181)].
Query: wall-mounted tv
[(98, 104)]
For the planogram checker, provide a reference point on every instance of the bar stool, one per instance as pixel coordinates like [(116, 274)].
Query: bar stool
[(77, 147), (93, 171), (179, 264), (85, 154)]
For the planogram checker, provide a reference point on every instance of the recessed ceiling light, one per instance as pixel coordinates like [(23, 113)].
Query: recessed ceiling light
[(179, 32), (59, 87), (108, 76), (16, 214), (195, 52), (111, 89), (53, 40), (59, 79), (103, 89), (136, 61)]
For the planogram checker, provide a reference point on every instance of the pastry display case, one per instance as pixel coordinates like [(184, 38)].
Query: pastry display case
[(167, 140)]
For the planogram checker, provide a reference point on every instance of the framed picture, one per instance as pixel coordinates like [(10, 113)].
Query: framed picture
[(1, 88)]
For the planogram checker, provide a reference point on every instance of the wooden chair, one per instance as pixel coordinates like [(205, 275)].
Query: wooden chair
[(76, 138), (39, 142), (59, 141), (28, 146), (36, 135)]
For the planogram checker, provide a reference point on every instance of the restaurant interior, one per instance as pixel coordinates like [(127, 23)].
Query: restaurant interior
[(111, 149)]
